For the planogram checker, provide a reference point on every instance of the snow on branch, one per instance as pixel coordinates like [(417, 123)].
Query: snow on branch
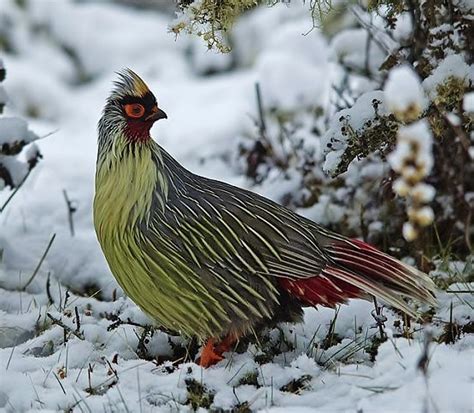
[(18, 153), (356, 132)]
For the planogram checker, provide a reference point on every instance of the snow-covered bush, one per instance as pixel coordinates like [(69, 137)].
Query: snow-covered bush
[(400, 76), (18, 154)]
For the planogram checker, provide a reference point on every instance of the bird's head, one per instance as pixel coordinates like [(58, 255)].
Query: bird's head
[(130, 111)]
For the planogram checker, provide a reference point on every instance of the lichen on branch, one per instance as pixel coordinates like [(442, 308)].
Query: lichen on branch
[(210, 19)]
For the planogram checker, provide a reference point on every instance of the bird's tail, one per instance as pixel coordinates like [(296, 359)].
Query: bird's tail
[(368, 270), (358, 270)]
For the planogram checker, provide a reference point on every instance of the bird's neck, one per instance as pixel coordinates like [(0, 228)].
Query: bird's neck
[(130, 178), (138, 132)]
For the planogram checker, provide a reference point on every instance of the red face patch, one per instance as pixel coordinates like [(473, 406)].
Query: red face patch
[(138, 130)]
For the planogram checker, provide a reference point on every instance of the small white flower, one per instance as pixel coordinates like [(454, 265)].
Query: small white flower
[(409, 232), (400, 187), (423, 193), (424, 216)]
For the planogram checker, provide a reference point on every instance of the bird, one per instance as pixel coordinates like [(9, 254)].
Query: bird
[(214, 261)]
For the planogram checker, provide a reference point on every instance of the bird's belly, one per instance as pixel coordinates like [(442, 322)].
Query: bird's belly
[(157, 291)]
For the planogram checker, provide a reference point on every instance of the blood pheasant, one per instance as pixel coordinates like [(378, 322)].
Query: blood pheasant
[(211, 260)]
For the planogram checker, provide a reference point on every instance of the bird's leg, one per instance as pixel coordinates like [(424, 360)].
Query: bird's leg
[(212, 353), (226, 344), (208, 355)]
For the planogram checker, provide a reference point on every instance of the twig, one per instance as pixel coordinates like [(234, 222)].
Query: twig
[(114, 371), (71, 208), (357, 12), (468, 226), (15, 191), (39, 263), (142, 351), (262, 125), (423, 366), (379, 318), (59, 381), (367, 50), (117, 321), (48, 289), (458, 131), (78, 320), (123, 400), (66, 298), (36, 392), (66, 328), (10, 358)]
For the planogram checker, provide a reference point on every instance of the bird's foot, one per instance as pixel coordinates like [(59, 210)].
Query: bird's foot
[(209, 356), (212, 353)]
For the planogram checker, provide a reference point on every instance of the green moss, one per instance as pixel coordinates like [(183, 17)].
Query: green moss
[(377, 134), (250, 378), (198, 394), (450, 92)]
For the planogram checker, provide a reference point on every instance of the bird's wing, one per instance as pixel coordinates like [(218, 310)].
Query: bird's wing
[(276, 243), (251, 242), (238, 234), (256, 233)]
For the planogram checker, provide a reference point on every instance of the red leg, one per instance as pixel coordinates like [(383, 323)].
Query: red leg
[(208, 355), (226, 344), (212, 353)]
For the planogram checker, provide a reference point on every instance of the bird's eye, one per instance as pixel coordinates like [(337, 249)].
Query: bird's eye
[(134, 110)]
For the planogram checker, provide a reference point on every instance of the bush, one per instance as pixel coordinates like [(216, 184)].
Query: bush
[(396, 141)]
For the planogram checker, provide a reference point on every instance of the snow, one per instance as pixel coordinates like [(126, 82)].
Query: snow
[(335, 141), (64, 25), (468, 103), (205, 61), (410, 233), (13, 129), (302, 91), (465, 6), (14, 134), (324, 211), (348, 47), (38, 371), (271, 27), (405, 97), (423, 216)]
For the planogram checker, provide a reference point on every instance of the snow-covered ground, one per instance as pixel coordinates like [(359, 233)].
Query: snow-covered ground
[(206, 115)]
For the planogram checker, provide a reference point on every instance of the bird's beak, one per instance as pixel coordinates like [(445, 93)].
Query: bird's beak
[(156, 114)]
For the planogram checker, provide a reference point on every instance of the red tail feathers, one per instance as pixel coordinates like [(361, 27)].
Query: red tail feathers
[(357, 269)]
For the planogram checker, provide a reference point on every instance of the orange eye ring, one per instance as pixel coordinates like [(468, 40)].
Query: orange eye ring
[(134, 110)]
